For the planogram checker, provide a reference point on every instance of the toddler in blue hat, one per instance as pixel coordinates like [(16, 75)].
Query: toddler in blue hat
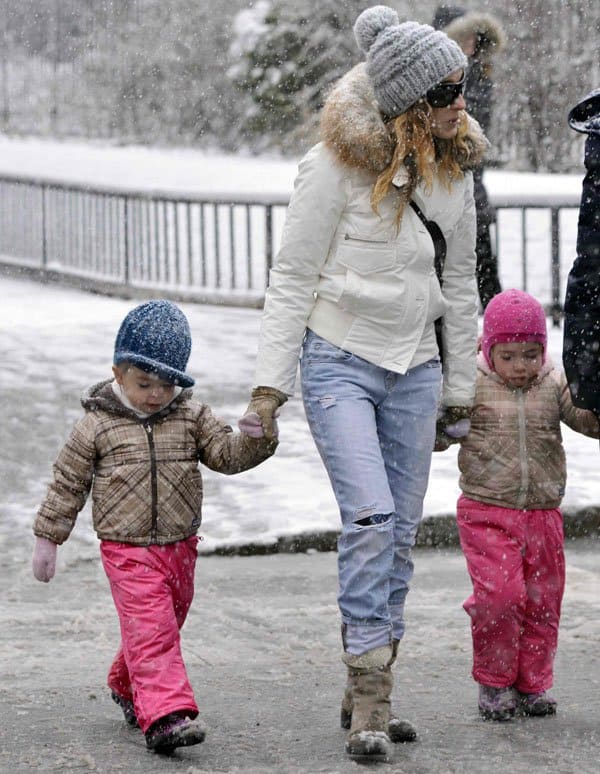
[(137, 449)]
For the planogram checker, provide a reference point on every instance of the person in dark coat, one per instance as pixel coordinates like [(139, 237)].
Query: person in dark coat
[(480, 35), (581, 344)]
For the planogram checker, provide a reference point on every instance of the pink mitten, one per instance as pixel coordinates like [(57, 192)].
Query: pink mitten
[(251, 425), (44, 559)]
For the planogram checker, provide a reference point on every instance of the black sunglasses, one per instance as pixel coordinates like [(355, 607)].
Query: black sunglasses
[(444, 94)]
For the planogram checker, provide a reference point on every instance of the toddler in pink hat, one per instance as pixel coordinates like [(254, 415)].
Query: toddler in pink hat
[(512, 478)]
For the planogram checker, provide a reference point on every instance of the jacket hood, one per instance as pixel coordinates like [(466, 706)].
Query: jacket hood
[(100, 397), (585, 116), (353, 129), (485, 27)]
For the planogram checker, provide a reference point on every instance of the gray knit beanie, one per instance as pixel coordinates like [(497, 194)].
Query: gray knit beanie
[(404, 60)]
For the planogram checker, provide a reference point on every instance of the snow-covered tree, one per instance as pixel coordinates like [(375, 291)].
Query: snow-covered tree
[(285, 56)]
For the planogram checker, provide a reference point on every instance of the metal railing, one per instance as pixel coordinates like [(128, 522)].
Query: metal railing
[(213, 249)]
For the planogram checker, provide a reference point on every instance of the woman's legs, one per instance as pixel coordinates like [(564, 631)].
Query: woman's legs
[(406, 428), (152, 588), (374, 430)]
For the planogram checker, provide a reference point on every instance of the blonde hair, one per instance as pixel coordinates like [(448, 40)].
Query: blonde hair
[(422, 155)]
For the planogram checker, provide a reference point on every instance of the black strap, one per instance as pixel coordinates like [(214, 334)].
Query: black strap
[(439, 245), (439, 240)]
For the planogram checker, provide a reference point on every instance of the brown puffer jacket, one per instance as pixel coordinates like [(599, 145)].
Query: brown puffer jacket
[(513, 455), (144, 474)]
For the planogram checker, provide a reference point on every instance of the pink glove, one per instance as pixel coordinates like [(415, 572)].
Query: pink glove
[(251, 425), (44, 559)]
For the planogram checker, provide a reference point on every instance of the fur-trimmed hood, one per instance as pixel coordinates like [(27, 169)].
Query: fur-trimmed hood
[(353, 129), (487, 29)]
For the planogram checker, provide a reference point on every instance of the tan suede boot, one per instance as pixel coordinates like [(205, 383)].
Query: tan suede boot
[(372, 682), (399, 730)]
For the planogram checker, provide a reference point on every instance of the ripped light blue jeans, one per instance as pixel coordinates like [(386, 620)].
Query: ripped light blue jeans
[(375, 431)]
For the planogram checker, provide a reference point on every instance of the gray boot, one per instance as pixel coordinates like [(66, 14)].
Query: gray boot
[(371, 679), (399, 730)]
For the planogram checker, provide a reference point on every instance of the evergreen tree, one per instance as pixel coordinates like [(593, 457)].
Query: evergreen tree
[(289, 54)]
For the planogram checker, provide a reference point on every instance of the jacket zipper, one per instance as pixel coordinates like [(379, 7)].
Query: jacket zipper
[(153, 483), (349, 238), (522, 499)]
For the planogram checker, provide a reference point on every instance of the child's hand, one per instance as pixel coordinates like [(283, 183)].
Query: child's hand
[(251, 425), (44, 559)]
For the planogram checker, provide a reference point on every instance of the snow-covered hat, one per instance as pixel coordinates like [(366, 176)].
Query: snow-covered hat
[(156, 337), (404, 60), (513, 316)]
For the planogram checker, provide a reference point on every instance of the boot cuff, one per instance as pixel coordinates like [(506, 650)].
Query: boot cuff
[(369, 661)]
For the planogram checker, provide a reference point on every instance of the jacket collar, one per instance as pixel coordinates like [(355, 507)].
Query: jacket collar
[(101, 397), (483, 366)]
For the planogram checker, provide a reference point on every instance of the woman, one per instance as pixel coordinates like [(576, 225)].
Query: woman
[(354, 288)]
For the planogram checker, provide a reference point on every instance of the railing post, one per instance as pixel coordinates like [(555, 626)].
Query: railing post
[(556, 310), (268, 241), (44, 228), (524, 248), (126, 251)]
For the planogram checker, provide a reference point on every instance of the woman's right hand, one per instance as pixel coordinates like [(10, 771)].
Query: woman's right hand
[(264, 403), (44, 559)]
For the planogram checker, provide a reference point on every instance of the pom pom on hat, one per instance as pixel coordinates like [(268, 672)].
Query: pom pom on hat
[(513, 316), (371, 22), (404, 61), (156, 338)]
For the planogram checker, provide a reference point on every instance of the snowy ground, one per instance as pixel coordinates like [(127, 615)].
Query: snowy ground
[(262, 649)]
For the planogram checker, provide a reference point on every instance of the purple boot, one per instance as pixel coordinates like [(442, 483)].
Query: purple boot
[(127, 707), (497, 703), (174, 730), (537, 704)]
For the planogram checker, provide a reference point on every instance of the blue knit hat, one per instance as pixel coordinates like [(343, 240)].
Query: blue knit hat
[(156, 338)]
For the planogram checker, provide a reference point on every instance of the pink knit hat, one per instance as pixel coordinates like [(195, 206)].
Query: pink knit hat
[(513, 316)]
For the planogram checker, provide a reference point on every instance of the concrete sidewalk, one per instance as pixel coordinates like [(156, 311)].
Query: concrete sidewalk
[(263, 652)]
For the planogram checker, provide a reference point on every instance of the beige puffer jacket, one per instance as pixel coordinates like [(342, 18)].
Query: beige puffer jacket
[(513, 455), (349, 275), (144, 475)]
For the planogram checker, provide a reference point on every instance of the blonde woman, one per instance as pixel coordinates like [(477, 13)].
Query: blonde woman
[(355, 291)]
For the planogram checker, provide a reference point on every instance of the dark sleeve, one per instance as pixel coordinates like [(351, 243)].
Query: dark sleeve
[(581, 343), (478, 96)]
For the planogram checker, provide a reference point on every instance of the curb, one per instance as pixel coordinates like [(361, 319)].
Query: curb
[(434, 532)]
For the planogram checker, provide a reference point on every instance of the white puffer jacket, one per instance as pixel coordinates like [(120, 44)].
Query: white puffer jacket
[(352, 277)]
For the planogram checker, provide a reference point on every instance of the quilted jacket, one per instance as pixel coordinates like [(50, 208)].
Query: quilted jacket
[(143, 473), (513, 455)]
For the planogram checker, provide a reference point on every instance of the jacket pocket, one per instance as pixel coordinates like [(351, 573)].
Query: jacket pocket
[(374, 288), (365, 256)]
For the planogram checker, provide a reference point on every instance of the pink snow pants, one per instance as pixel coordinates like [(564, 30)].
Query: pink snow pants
[(517, 567), (152, 588)]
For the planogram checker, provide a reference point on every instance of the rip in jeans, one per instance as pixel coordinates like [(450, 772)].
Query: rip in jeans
[(368, 517)]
